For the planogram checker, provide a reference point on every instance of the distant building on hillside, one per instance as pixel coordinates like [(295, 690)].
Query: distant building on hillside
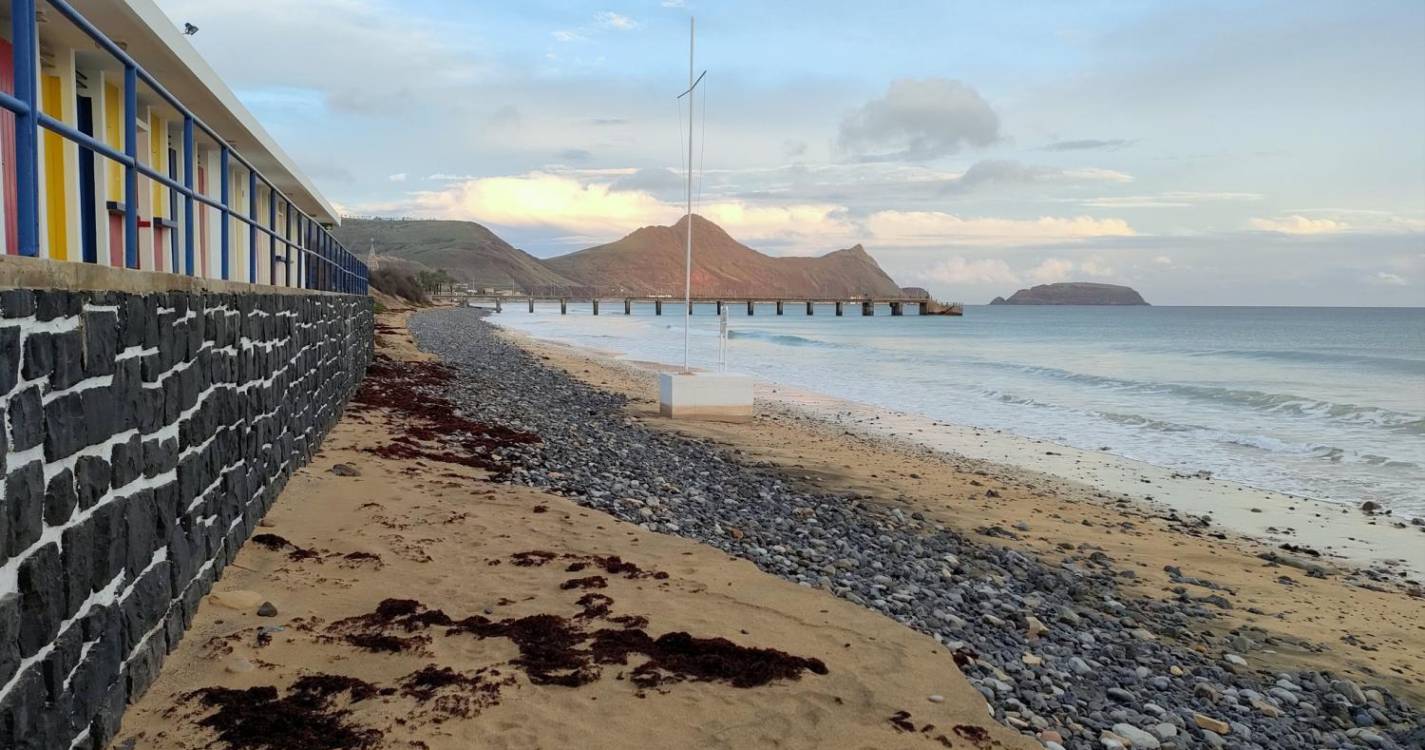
[(121, 198)]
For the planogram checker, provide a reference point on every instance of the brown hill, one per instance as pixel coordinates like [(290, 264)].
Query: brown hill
[(467, 251), (650, 261)]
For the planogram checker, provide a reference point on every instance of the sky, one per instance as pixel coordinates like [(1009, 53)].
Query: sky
[(1218, 153)]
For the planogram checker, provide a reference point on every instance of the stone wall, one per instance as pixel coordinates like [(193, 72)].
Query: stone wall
[(142, 437)]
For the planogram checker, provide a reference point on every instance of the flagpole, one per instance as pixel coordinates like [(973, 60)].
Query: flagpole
[(688, 260)]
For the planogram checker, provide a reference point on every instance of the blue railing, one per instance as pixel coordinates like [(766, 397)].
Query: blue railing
[(321, 262)]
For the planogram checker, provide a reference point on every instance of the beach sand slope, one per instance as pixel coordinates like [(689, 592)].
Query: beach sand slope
[(412, 603)]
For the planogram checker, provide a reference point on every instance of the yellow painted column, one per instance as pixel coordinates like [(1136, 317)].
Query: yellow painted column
[(56, 203)]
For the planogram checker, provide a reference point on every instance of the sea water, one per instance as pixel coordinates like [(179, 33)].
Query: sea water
[(1326, 403)]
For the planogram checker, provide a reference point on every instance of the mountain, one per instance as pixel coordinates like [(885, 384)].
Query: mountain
[(650, 261), (467, 251), (1073, 293)]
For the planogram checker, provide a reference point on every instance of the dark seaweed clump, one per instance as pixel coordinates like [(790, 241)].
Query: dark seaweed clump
[(257, 719)]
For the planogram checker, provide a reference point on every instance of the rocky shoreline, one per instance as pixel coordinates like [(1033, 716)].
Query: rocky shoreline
[(1059, 651)]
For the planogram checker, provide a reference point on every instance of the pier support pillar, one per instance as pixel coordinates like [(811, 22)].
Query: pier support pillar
[(563, 306), (627, 306), (897, 308), (719, 308), (596, 305), (810, 310), (690, 307), (751, 308), (658, 307), (838, 309), (497, 305), (779, 307), (531, 304), (868, 309), (924, 307)]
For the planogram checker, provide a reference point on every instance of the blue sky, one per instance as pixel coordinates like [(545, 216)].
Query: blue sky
[(1205, 153)]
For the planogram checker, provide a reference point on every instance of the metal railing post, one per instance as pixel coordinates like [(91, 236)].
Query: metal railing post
[(131, 172), (287, 237), (188, 259), (252, 225), (224, 198), (271, 239), (24, 31)]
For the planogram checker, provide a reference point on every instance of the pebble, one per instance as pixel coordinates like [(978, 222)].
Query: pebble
[(1210, 724), (1137, 738), (268, 609)]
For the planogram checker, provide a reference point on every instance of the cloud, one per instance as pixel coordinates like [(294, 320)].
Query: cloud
[(566, 36), (1298, 224), (403, 58), (993, 172), (611, 20), (594, 210), (652, 180), (574, 154), (607, 121), (919, 120), (1051, 270), (1112, 144), (1170, 199), (793, 148), (397, 177), (1389, 279), (922, 228), (959, 270)]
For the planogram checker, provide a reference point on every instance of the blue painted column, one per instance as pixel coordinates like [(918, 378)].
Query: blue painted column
[(27, 139)]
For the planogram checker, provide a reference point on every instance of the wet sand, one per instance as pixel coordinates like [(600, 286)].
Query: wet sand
[(1361, 622), (357, 563)]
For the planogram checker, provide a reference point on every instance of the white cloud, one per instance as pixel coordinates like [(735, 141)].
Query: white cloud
[(919, 120), (999, 172), (565, 35), (589, 206), (611, 20), (1298, 224), (959, 270), (1051, 270), (397, 177), (1389, 279), (1170, 199), (913, 228), (1095, 267)]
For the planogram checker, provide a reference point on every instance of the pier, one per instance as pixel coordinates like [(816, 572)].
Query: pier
[(897, 305)]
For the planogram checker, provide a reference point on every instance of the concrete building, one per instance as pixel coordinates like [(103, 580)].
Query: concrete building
[(188, 126)]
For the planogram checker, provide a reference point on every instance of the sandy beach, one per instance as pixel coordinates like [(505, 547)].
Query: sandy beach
[(1353, 608), (406, 594)]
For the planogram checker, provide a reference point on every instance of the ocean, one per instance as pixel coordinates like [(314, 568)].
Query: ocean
[(1325, 403)]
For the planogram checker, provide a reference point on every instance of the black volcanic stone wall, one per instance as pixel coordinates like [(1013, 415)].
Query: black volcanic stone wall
[(142, 437)]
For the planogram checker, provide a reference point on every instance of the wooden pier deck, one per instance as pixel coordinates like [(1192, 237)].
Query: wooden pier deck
[(868, 305)]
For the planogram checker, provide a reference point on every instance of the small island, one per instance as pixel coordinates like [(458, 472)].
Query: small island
[(1073, 293)]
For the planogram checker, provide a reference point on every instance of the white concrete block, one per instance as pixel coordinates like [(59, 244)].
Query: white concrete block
[(705, 395)]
